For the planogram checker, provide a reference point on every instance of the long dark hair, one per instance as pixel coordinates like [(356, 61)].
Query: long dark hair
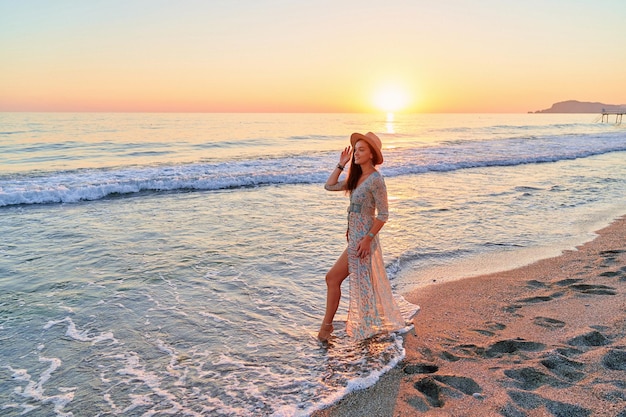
[(354, 175)]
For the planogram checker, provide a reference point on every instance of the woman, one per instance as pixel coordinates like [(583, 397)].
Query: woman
[(372, 308)]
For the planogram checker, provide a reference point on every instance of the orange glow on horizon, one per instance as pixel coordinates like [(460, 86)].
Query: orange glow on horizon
[(242, 57)]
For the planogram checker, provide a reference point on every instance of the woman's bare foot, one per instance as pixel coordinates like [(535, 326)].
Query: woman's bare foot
[(325, 331)]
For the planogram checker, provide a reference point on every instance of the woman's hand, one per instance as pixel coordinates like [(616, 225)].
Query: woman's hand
[(364, 247), (346, 155)]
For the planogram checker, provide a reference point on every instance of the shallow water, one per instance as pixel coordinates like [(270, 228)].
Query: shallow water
[(182, 275)]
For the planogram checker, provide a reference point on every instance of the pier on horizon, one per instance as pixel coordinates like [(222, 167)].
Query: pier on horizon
[(617, 112)]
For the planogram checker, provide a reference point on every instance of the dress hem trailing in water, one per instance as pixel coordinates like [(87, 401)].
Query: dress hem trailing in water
[(373, 309)]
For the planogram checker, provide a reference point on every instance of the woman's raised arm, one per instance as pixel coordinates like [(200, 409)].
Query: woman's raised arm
[(332, 183)]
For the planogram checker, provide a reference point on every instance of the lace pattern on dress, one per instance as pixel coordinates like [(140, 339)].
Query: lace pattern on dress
[(372, 308)]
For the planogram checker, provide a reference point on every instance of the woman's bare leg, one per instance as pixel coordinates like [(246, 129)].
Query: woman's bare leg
[(334, 278)]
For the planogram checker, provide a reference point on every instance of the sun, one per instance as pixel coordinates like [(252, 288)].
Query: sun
[(391, 99)]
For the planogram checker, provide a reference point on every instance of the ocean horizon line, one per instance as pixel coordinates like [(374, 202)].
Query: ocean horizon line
[(280, 112)]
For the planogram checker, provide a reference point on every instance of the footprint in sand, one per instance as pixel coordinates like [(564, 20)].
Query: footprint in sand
[(564, 368), (460, 383), (435, 388), (610, 257), (594, 289), (531, 401), (431, 391), (512, 309), (565, 372), (621, 273), (548, 322), (567, 286), (610, 274), (593, 338), (541, 298), (490, 328), (529, 379), (612, 252), (615, 360), (567, 281), (450, 357), (569, 352), (533, 283), (498, 349), (512, 346)]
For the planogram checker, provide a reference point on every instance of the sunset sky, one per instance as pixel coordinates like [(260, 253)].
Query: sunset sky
[(310, 56)]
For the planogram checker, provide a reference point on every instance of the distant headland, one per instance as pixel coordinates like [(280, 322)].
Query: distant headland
[(574, 106)]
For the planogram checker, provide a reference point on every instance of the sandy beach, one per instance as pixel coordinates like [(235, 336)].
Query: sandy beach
[(547, 339)]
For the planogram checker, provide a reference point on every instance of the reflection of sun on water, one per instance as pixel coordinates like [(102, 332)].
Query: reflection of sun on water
[(391, 99), (389, 124)]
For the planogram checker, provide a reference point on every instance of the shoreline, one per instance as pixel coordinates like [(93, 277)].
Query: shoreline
[(548, 338), (502, 261)]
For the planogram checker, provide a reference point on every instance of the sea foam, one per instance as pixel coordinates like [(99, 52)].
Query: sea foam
[(96, 184)]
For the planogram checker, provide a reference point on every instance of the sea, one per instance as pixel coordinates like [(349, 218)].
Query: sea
[(173, 264)]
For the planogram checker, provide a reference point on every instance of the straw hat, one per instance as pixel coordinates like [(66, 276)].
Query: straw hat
[(374, 142)]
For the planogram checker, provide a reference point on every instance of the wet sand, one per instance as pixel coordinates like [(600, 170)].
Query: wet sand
[(547, 339)]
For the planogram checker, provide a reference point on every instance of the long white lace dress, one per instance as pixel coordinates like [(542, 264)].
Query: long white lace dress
[(372, 309)]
